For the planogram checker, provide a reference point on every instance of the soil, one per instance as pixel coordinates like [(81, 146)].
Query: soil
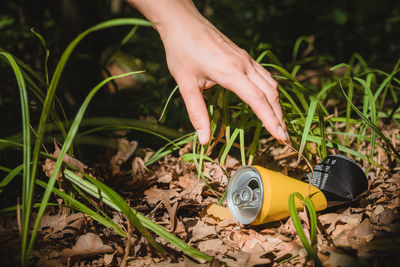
[(364, 232)]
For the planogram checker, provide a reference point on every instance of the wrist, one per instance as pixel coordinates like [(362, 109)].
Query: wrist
[(168, 14)]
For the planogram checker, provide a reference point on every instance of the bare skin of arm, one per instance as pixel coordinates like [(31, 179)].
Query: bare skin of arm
[(199, 57)]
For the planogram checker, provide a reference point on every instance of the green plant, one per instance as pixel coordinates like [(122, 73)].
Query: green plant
[(31, 163), (308, 244)]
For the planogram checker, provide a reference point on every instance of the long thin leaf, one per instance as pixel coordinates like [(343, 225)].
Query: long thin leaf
[(299, 229), (81, 207), (68, 142), (26, 185), (92, 190), (372, 125), (128, 212), (10, 176), (307, 126)]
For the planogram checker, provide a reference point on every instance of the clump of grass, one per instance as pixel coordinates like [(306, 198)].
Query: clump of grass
[(31, 160)]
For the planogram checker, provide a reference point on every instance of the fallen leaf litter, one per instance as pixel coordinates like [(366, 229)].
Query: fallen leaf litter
[(177, 199)]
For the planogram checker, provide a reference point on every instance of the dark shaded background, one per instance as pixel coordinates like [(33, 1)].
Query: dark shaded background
[(339, 29)]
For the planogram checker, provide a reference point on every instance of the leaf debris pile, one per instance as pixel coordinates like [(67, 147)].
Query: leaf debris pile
[(172, 194)]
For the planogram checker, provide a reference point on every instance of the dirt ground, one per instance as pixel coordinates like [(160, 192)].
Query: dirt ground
[(362, 233)]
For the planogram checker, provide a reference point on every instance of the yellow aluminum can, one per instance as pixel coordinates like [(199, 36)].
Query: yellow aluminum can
[(257, 195)]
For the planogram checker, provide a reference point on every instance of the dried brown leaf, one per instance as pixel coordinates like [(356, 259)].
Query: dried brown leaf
[(330, 258), (61, 225), (87, 245), (240, 259), (125, 151), (48, 168), (361, 234), (70, 160), (330, 220), (201, 230), (154, 194), (288, 248), (213, 247), (382, 216)]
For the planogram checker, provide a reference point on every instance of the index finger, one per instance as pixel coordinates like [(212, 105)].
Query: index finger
[(248, 91)]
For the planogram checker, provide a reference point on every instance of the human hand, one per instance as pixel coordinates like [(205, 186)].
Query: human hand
[(199, 57)]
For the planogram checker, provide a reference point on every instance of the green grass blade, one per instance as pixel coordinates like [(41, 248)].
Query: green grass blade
[(299, 229), (371, 125), (242, 149), (51, 92), (162, 152), (128, 212), (348, 110), (271, 56), (297, 45), (123, 127), (191, 157), (313, 220), (83, 208), (166, 103), (346, 150), (114, 121), (92, 190), (341, 65), (322, 130), (228, 146), (367, 89), (254, 143), (47, 51), (67, 144), (307, 126), (295, 107), (26, 185), (10, 176)]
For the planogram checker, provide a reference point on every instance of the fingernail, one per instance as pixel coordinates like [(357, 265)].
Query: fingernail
[(282, 134), (202, 135)]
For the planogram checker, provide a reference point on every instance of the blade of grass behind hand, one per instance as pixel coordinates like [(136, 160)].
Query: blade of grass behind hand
[(322, 130), (307, 126), (348, 111), (228, 146), (166, 103)]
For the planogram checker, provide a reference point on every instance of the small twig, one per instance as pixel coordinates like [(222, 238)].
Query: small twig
[(34, 132), (19, 217), (325, 120), (218, 139), (156, 207), (127, 246), (286, 155)]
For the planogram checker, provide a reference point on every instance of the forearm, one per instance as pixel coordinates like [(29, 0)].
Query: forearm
[(165, 14)]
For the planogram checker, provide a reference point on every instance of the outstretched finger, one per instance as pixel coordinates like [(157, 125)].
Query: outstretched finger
[(270, 89), (248, 91), (197, 110)]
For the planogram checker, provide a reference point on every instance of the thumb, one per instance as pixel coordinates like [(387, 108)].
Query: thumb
[(196, 109)]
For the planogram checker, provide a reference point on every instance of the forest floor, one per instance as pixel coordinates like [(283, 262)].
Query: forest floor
[(362, 233)]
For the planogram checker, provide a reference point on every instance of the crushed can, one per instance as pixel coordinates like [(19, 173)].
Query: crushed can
[(257, 195), (339, 178)]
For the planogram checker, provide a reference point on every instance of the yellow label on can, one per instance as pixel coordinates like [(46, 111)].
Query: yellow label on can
[(277, 189)]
